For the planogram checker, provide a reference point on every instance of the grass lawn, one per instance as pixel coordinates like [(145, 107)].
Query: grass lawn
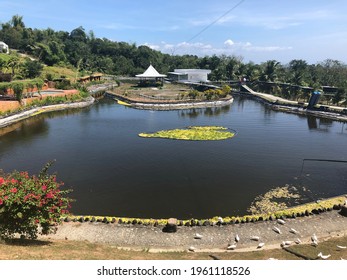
[(82, 250)]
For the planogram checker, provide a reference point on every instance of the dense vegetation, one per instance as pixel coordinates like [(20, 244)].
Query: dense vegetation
[(83, 52), (193, 133)]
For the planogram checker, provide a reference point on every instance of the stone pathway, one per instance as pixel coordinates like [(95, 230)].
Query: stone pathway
[(214, 238)]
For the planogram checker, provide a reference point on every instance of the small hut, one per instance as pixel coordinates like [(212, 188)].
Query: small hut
[(151, 76)]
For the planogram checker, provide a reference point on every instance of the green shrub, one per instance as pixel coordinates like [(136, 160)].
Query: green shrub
[(63, 84)]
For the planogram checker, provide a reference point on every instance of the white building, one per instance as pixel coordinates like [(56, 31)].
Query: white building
[(189, 75), (4, 48)]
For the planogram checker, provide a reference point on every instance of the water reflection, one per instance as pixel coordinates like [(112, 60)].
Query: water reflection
[(321, 124), (25, 129), (208, 112)]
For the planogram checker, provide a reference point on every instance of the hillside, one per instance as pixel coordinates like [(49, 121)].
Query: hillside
[(84, 52)]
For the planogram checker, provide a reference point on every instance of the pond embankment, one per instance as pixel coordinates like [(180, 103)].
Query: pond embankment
[(163, 105), (294, 107), (211, 238), (43, 109)]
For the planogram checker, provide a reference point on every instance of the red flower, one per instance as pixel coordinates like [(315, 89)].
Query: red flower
[(14, 181), (44, 188), (1, 180), (50, 195), (1, 201), (13, 190)]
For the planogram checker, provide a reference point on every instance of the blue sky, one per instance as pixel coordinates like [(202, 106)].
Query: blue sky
[(313, 30)]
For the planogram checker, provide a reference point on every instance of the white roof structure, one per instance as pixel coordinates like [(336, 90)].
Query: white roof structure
[(190, 75), (4, 46), (187, 71), (151, 73)]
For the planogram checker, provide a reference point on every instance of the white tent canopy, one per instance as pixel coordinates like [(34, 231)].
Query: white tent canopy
[(151, 73)]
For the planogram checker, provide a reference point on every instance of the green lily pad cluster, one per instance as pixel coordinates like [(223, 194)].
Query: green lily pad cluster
[(193, 133)]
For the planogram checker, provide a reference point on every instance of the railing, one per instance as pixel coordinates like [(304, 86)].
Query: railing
[(157, 97)]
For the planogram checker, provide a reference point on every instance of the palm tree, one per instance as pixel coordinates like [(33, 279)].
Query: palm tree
[(2, 64), (232, 67), (251, 72), (17, 22), (13, 63), (298, 71), (269, 71)]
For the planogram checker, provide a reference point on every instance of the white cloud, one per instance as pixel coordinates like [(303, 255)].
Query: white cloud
[(197, 45), (247, 46), (229, 43), (152, 46), (229, 47)]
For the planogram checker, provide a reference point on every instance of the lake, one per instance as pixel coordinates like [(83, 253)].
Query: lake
[(116, 173)]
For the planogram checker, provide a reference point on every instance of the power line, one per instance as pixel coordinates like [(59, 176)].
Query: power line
[(215, 21)]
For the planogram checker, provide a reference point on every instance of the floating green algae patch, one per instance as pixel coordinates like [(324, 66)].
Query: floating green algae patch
[(193, 133), (275, 200)]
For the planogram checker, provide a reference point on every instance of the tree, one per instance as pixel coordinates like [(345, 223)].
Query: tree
[(251, 72), (13, 63), (123, 66), (32, 68), (103, 64), (298, 71), (39, 84), (338, 96), (232, 68), (17, 22), (18, 88), (269, 72), (145, 56), (2, 64), (78, 34)]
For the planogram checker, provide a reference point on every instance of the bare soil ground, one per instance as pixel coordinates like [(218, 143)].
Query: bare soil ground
[(167, 93)]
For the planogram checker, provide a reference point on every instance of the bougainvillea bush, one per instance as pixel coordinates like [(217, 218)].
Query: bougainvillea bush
[(30, 205)]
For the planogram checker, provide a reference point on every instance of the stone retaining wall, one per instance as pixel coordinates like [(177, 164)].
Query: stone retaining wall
[(178, 106), (170, 104), (38, 110)]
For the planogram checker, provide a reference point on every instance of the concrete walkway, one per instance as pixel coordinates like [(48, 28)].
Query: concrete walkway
[(269, 97), (214, 238)]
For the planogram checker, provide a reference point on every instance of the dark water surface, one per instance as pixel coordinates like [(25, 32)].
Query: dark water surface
[(114, 172)]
